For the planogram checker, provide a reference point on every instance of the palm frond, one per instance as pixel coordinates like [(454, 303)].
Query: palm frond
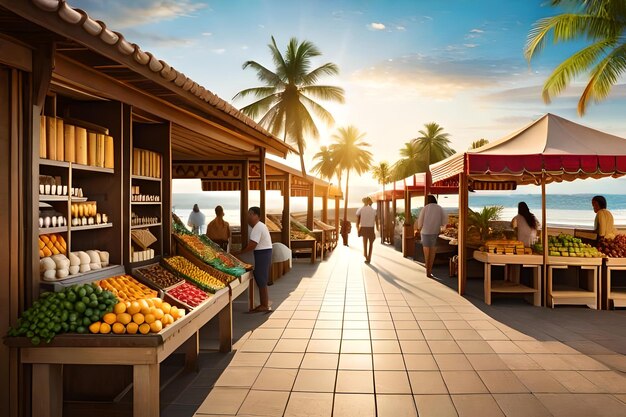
[(258, 92), (319, 111), (312, 77), (603, 77), (255, 109), (325, 92), (263, 74)]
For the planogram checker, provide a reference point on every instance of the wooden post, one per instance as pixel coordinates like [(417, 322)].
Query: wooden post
[(192, 348), (337, 228), (245, 188), (463, 207), (310, 206), (226, 328), (263, 186), (427, 184), (325, 207), (146, 390), (286, 230), (47, 386), (544, 236)]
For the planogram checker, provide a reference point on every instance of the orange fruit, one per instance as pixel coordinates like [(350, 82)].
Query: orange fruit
[(150, 318), (150, 303), (105, 328), (181, 313), (144, 328), (118, 328), (174, 312), (134, 308), (138, 318), (157, 302), (119, 308), (158, 313), (131, 328), (124, 318), (127, 304), (167, 319), (109, 318), (165, 306), (156, 327), (95, 327)]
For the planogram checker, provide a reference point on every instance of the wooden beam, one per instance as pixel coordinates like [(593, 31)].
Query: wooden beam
[(16, 55), (245, 190), (337, 228), (286, 230), (263, 185), (325, 208), (42, 73), (544, 238), (310, 206), (463, 207)]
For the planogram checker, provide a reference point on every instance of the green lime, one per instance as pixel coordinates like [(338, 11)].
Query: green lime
[(94, 318), (35, 340), (88, 289), (85, 300), (87, 321), (71, 297), (82, 292), (102, 307), (73, 317), (93, 304), (88, 312), (81, 329)]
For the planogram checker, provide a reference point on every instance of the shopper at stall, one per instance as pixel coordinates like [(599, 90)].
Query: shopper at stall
[(526, 225), (603, 224), (196, 220), (260, 242), (366, 220), (429, 223), (218, 230)]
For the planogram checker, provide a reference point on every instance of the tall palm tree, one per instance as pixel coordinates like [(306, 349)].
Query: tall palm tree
[(326, 165), (410, 163), (478, 143), (383, 174), (603, 60), (433, 143), (351, 154), (286, 100)]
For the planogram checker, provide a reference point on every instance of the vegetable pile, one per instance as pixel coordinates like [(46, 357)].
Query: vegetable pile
[(72, 310), (568, 245)]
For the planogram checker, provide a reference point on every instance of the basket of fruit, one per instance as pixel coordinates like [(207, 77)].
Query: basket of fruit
[(187, 294), (157, 276), (191, 272)]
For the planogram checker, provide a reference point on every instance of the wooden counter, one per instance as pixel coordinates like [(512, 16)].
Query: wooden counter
[(573, 294), (506, 287), (610, 295), (143, 352)]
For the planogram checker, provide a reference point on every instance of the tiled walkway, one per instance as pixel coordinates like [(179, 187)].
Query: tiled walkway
[(359, 340)]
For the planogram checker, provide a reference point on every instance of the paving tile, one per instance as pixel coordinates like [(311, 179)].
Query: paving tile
[(320, 361), (275, 379), (383, 334), (391, 382), (309, 404), (250, 359), (504, 346), (304, 315), (502, 382), (388, 362), (533, 346), (406, 325), (297, 334), (476, 405), (609, 381), (435, 406), (351, 334), (354, 405), (520, 362), (409, 334), (583, 362), (521, 405), (301, 324), (385, 346), (266, 334), (457, 325), (540, 382), (356, 361), (453, 362), (582, 405), (575, 382), (486, 362), (395, 406), (328, 324), (379, 315), (427, 382), (616, 362), (355, 316), (264, 403), (238, 377), (492, 334), (356, 346), (432, 324), (275, 324), (291, 345), (258, 346), (414, 346), (356, 324), (284, 360), (326, 334), (315, 380), (551, 361), (442, 346), (463, 382), (324, 346), (465, 334), (475, 346), (355, 381), (420, 362), (381, 324)]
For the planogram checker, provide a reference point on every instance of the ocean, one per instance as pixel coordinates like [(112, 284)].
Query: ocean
[(562, 209)]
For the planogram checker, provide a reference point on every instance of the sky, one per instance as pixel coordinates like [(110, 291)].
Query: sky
[(403, 63)]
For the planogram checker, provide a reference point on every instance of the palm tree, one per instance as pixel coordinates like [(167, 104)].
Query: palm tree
[(351, 154), (410, 163), (383, 174), (478, 143), (286, 100), (603, 24), (434, 144)]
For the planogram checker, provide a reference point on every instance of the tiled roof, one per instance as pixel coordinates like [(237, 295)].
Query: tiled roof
[(113, 39)]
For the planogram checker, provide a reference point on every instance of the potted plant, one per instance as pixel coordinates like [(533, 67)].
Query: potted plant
[(481, 220)]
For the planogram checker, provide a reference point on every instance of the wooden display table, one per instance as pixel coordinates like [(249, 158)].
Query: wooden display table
[(305, 246), (143, 352), (506, 287), (609, 293), (573, 294)]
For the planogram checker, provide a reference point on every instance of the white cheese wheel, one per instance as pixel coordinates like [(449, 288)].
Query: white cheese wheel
[(62, 273), (84, 258), (85, 268), (47, 264), (74, 259), (104, 258), (50, 275), (74, 269)]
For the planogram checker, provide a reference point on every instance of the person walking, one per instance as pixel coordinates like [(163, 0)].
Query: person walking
[(218, 230), (366, 219), (260, 242), (430, 221), (196, 220)]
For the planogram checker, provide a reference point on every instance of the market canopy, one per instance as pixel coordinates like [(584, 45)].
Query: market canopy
[(415, 184), (560, 148)]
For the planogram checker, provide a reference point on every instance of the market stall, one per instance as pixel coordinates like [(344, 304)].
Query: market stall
[(551, 149)]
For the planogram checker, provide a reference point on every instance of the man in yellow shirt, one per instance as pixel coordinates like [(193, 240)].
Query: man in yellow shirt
[(603, 223)]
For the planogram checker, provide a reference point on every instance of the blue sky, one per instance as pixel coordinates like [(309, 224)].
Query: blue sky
[(403, 63)]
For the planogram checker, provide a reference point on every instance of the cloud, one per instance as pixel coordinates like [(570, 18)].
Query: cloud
[(377, 26), (477, 31), (400, 28), (150, 39), (124, 13), (532, 94), (471, 45), (207, 34), (219, 51)]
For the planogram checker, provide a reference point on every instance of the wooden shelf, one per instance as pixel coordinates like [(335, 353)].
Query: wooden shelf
[(145, 203), (50, 197), (144, 178), (93, 275), (510, 288), (90, 168), (48, 230), (144, 226), (53, 163), (146, 262), (92, 227)]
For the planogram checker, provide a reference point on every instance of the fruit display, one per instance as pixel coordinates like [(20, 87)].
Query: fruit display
[(127, 288), (568, 245), (613, 248), (188, 294), (227, 259), (506, 247), (191, 272), (58, 267), (73, 309), (52, 244), (299, 235), (159, 276), (143, 316), (212, 254)]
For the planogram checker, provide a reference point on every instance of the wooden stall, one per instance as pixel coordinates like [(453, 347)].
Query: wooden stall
[(89, 127)]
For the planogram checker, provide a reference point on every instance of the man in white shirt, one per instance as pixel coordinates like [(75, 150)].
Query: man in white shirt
[(260, 242), (366, 219)]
